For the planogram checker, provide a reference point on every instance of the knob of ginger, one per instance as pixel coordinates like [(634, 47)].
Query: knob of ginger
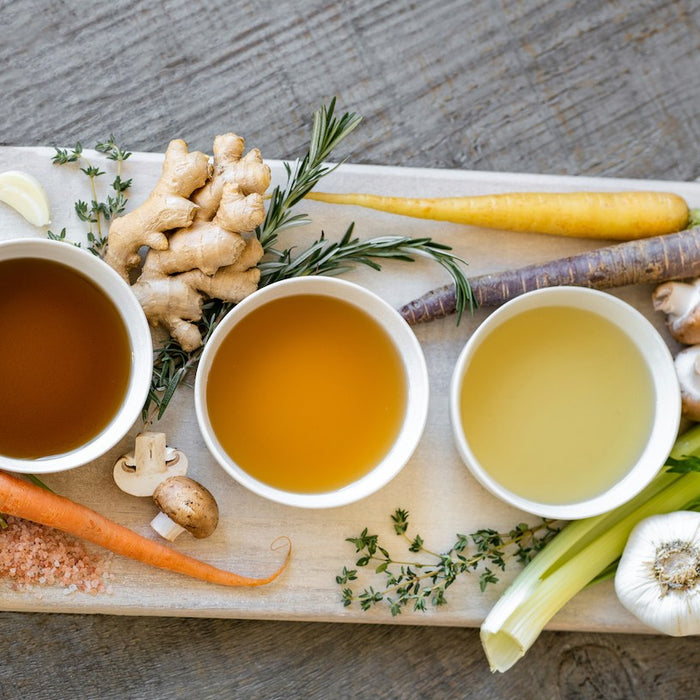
[(198, 225)]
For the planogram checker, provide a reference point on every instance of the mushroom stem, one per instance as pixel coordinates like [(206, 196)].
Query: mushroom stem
[(166, 527), (149, 451), (151, 463)]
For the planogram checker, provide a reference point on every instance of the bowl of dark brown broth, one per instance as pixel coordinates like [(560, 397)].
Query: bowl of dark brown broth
[(77, 356), (312, 392)]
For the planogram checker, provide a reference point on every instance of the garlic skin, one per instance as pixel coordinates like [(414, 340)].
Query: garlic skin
[(658, 577)]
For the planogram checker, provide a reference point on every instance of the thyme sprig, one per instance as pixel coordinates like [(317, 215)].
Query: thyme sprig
[(416, 584), (96, 212)]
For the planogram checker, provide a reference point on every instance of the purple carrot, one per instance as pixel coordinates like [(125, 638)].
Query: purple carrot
[(648, 260)]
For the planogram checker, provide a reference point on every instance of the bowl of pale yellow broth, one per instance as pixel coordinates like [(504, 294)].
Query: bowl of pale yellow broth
[(564, 402), (312, 392), (77, 356)]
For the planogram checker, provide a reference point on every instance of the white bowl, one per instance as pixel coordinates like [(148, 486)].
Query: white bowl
[(416, 376), (666, 410), (104, 277)]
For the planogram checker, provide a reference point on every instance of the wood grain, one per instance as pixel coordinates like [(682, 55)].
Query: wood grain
[(587, 88)]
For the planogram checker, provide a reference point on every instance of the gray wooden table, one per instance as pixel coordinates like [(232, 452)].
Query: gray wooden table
[(589, 88)]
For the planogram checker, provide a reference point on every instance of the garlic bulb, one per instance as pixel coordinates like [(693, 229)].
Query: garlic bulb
[(658, 577)]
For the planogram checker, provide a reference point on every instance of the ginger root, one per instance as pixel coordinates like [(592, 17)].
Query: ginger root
[(197, 224)]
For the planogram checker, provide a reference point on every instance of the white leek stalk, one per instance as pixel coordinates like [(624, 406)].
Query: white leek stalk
[(573, 559)]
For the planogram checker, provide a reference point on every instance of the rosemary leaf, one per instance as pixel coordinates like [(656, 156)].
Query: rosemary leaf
[(326, 133)]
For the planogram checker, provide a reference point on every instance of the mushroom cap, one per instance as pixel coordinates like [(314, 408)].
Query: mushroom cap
[(686, 329), (189, 504), (687, 363), (680, 301)]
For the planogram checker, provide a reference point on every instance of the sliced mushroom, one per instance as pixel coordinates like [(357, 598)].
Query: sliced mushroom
[(688, 371), (185, 505), (150, 464), (680, 301)]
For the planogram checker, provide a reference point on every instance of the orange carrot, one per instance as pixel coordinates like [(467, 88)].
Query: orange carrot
[(653, 260), (25, 500), (604, 215)]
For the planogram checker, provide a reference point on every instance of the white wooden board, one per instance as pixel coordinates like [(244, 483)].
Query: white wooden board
[(434, 487)]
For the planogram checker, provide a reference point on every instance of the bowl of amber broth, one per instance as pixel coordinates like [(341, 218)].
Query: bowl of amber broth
[(312, 392), (565, 402), (77, 356)]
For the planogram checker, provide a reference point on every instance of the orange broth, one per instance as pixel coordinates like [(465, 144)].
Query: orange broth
[(306, 393)]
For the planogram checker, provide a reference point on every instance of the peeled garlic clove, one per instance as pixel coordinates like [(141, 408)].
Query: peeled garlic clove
[(658, 577), (25, 194)]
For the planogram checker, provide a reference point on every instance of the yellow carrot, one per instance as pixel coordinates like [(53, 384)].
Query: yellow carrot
[(31, 502), (605, 215)]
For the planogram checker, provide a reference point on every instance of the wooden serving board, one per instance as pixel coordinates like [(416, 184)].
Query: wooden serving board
[(435, 487)]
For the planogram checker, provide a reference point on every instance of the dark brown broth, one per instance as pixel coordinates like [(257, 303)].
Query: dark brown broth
[(65, 359)]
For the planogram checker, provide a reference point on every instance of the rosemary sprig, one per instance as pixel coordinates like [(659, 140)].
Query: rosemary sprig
[(416, 584), (97, 211), (327, 132), (171, 364), (324, 257)]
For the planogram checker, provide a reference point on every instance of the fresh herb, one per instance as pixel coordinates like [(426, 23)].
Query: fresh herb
[(326, 133), (171, 364), (96, 212), (322, 257), (683, 465), (416, 584)]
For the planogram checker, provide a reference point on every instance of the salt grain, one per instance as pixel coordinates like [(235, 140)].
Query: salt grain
[(35, 555)]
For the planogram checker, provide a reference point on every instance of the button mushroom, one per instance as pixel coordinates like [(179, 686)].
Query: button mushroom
[(151, 463), (680, 301), (688, 370), (185, 505)]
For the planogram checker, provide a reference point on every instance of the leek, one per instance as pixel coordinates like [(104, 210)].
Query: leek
[(575, 557)]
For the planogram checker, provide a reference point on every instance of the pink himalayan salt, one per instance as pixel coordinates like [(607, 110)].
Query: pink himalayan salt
[(35, 555)]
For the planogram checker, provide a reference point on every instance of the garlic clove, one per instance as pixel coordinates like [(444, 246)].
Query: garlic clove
[(25, 194), (658, 577)]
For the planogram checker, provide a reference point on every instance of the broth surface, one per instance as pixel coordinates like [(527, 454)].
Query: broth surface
[(66, 359), (557, 404), (306, 393)]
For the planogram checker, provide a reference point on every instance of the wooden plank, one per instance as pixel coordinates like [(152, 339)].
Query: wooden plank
[(596, 88), (434, 477)]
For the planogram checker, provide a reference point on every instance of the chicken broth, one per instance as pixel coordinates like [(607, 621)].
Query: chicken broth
[(557, 404), (66, 359), (306, 393)]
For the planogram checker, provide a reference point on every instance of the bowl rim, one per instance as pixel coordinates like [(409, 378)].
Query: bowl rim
[(656, 355), (409, 349), (138, 331)]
